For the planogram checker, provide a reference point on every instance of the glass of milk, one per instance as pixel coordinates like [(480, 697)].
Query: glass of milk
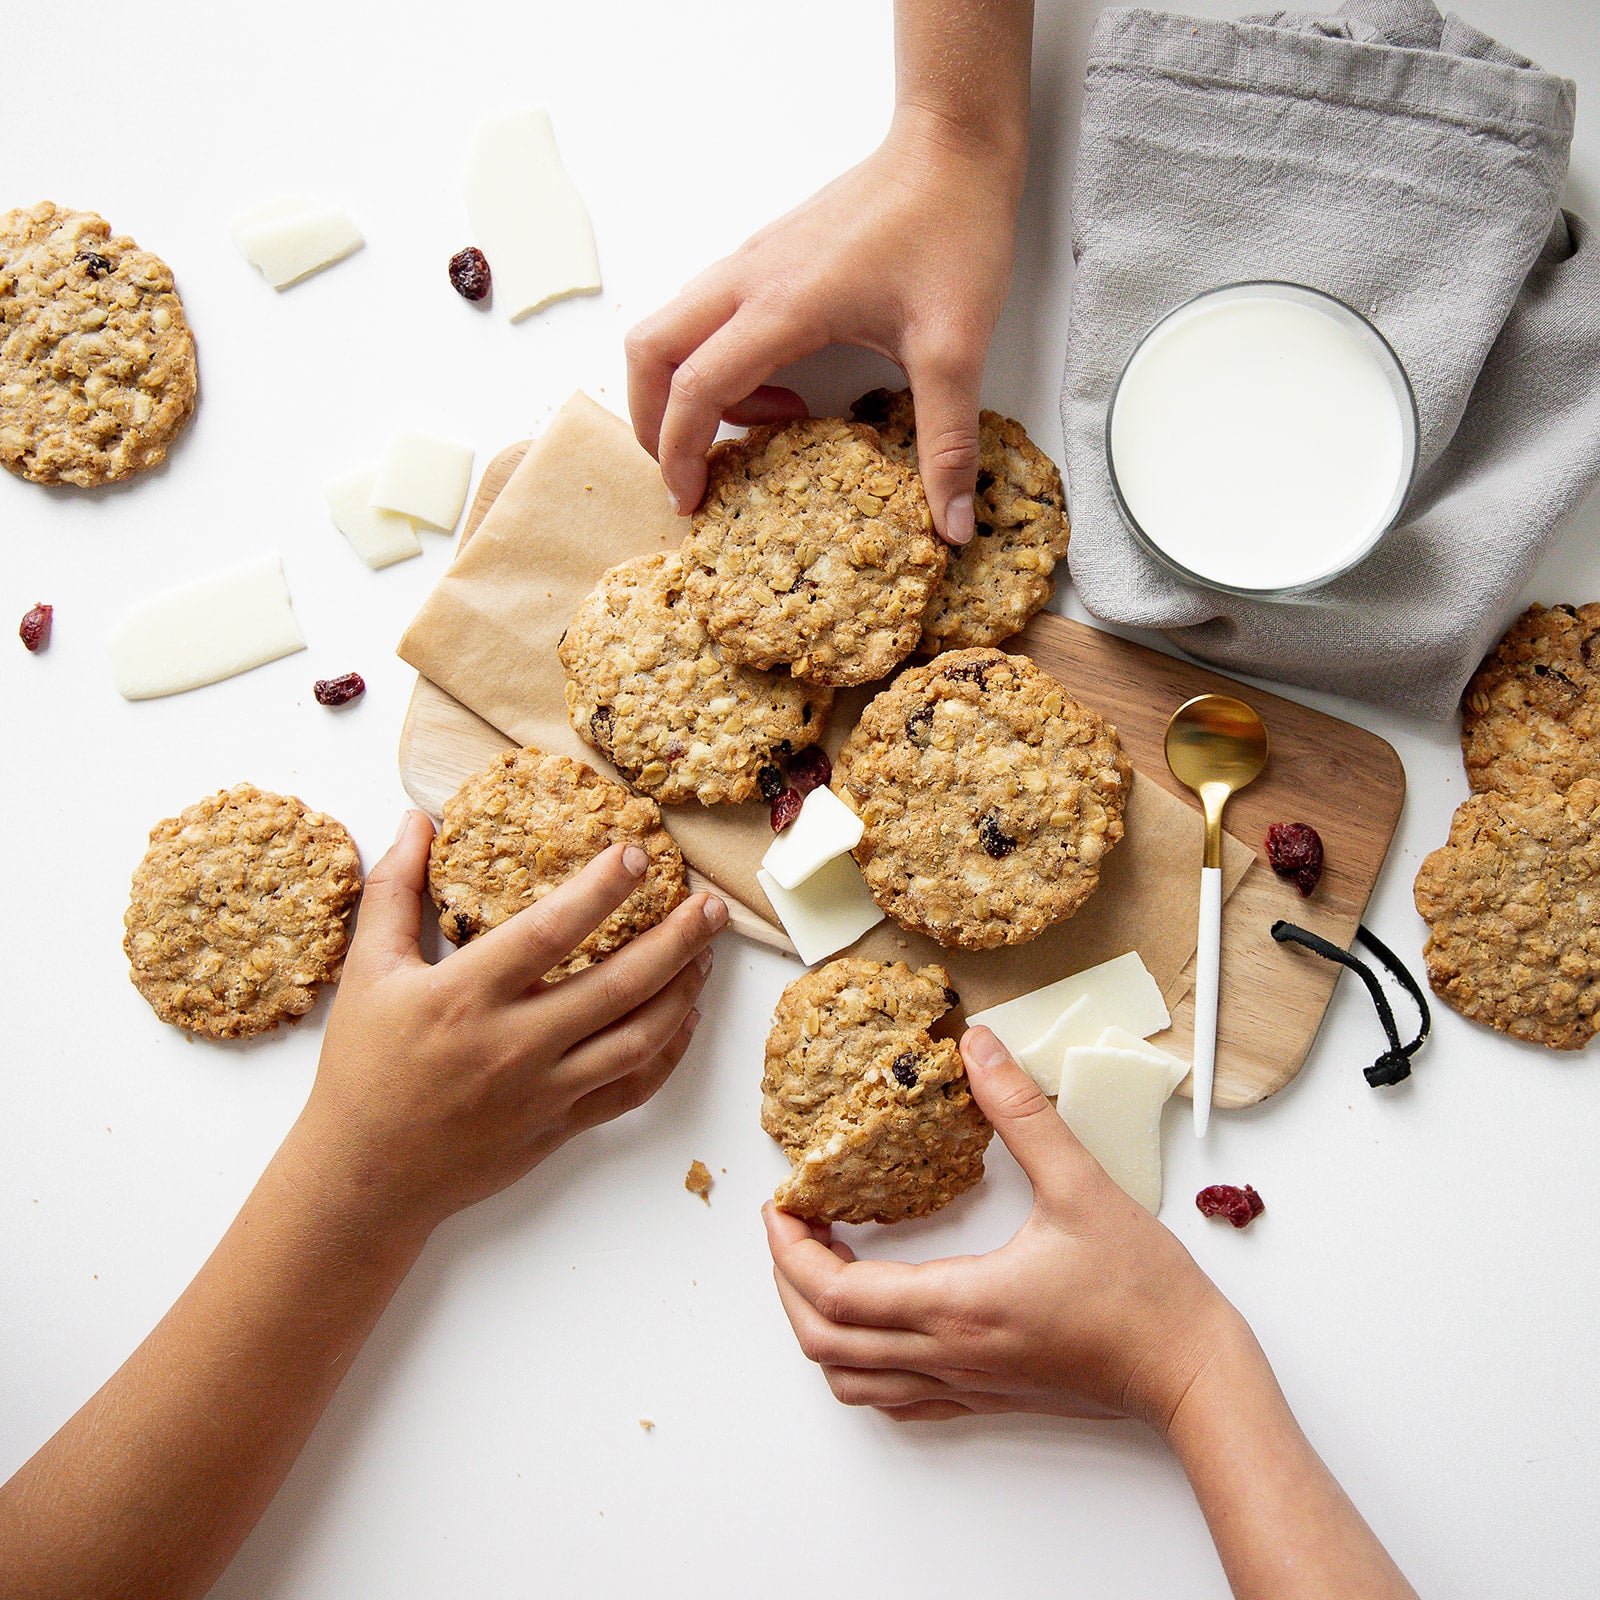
[(1262, 439)]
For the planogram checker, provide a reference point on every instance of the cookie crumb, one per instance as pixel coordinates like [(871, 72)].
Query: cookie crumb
[(648, 1426), (698, 1180)]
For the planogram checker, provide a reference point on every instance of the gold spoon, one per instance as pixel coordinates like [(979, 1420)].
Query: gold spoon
[(1215, 746)]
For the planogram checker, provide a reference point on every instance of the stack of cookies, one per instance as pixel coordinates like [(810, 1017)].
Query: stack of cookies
[(988, 794), (811, 565), (1512, 901)]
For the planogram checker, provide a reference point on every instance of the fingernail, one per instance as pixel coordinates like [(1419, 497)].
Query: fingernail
[(703, 962), (691, 1022), (959, 522), (983, 1049), (634, 860), (672, 500), (716, 913), (405, 822)]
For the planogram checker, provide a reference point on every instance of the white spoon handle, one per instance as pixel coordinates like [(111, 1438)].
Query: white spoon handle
[(1208, 958)]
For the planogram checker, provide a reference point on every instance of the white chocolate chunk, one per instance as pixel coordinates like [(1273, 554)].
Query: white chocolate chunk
[(1112, 1100), (290, 248), (280, 210), (825, 828), (423, 478), (380, 538), (831, 909), (1122, 988), (205, 631), (529, 219), (1081, 1023), (1114, 1038)]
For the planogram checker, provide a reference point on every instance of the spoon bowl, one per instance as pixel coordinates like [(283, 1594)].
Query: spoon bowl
[(1215, 746)]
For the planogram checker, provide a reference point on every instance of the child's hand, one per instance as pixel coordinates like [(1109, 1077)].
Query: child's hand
[(1091, 1309), (908, 254), (439, 1085)]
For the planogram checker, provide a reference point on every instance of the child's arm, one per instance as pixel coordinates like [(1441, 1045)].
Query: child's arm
[(908, 254), (1091, 1309), (437, 1086)]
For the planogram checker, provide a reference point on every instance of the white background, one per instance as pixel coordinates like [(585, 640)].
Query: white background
[(1425, 1277)]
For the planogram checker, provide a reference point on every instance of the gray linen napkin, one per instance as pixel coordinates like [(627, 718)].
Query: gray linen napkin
[(1412, 166)]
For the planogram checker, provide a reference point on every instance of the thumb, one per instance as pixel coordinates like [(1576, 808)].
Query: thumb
[(945, 395), (391, 904), (1029, 1126)]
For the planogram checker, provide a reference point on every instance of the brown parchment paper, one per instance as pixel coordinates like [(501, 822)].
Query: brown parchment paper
[(586, 497)]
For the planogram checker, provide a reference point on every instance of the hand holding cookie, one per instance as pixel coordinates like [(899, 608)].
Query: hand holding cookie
[(440, 1085), (1092, 1308), (908, 253)]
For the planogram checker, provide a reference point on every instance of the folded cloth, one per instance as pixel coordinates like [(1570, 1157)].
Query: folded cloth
[(1411, 166)]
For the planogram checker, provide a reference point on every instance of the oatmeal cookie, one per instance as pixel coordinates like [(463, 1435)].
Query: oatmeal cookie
[(511, 833), (813, 550), (989, 797), (240, 908), (994, 584), (1512, 904), (648, 688), (97, 366), (1531, 715), (875, 1115)]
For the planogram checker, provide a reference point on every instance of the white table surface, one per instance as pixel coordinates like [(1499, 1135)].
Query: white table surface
[(1425, 1277)]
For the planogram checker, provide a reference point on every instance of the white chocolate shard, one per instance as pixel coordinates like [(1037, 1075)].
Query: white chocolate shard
[(1115, 1038), (204, 631), (825, 829), (1122, 988), (1112, 1100), (423, 478), (289, 248), (528, 217), (279, 210), (830, 910), (1081, 1023), (380, 538)]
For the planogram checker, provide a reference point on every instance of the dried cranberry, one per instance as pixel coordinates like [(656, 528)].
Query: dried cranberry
[(993, 838), (600, 726), (968, 672), (340, 691), (35, 629), (810, 769), (785, 808), (1294, 850), (905, 1070), (873, 408), (769, 780), (1238, 1206), (951, 998), (469, 273), (94, 263)]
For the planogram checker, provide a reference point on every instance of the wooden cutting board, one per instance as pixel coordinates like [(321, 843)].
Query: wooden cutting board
[(1348, 783)]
